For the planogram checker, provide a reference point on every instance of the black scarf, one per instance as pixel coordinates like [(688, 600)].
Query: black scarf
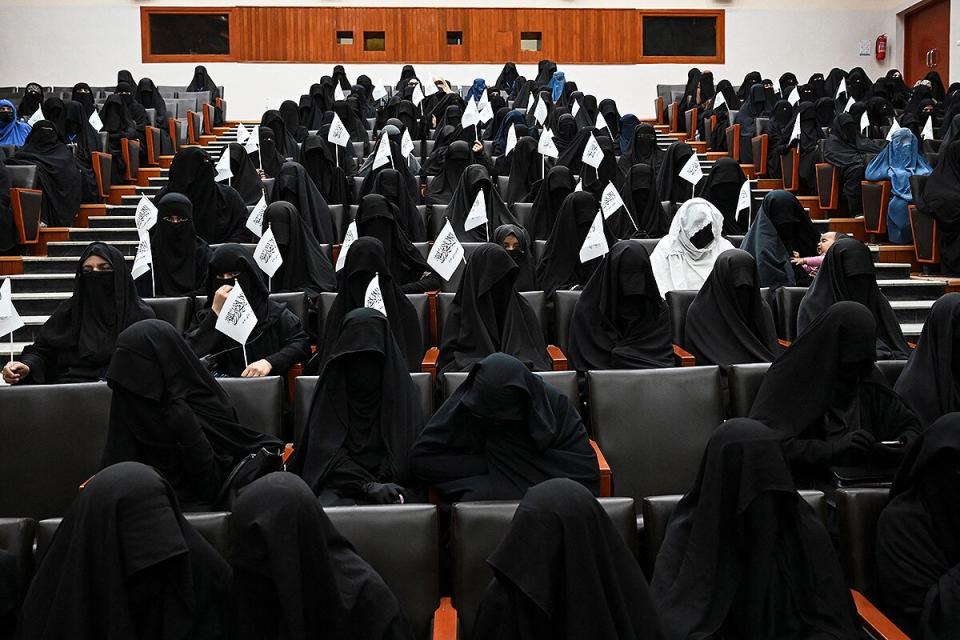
[(390, 184), (57, 172), (377, 217), (941, 199), (202, 81), (148, 96), (476, 178), (328, 166), (82, 93), (453, 158), (180, 257), (670, 186), (525, 168), (522, 255), (722, 188), (246, 181), (643, 150), (560, 266), (284, 142), (305, 266), (642, 215), (551, 192), (296, 187)]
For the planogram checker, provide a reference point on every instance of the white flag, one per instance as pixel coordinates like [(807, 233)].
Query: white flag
[(146, 214), (373, 298), (795, 135), (511, 139), (927, 133), (579, 186), (850, 103), (253, 140), (36, 117), (575, 109), (546, 145), (592, 153), (794, 96), (610, 201), (430, 88), (10, 320), (242, 134), (447, 253), (267, 253), (540, 112), (406, 144), (95, 121), (383, 152), (417, 96), (719, 101), (595, 244), (483, 99), (478, 213), (224, 172), (338, 92), (345, 246), (893, 129), (743, 201), (338, 134), (864, 122), (470, 117), (486, 113), (237, 318), (842, 88), (255, 219), (144, 260), (601, 123), (691, 171), (379, 91)]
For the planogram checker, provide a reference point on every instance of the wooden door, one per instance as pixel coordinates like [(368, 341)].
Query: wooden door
[(927, 42)]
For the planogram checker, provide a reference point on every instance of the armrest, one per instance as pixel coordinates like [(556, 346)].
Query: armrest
[(153, 153), (26, 206), (429, 363), (783, 343), (445, 621), (683, 358), (828, 185), (557, 357), (207, 119), (193, 136), (606, 480), (294, 372), (674, 116), (101, 170), (174, 134), (287, 452), (733, 141), (658, 109), (876, 623), (761, 146), (876, 197)]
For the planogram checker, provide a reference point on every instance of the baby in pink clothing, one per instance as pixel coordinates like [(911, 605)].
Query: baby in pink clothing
[(812, 264)]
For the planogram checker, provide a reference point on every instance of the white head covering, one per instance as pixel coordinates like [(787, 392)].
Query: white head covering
[(677, 264)]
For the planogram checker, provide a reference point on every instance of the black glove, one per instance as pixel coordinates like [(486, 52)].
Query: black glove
[(388, 493), (854, 442)]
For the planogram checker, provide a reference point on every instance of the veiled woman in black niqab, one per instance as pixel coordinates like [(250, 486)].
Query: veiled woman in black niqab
[(754, 107), (202, 81), (457, 157), (284, 141), (124, 563), (845, 412), (365, 416), (296, 187), (391, 184), (620, 320), (525, 169), (572, 156), (57, 172), (31, 100), (407, 73), (781, 228), (295, 577), (135, 110), (328, 166), (77, 130), (745, 556), (474, 179), (501, 432), (789, 82), (930, 382), (507, 80), (941, 199), (918, 556), (551, 192), (53, 110), (810, 135), (845, 148), (278, 339), (752, 78), (688, 99), (84, 95), (728, 322), (643, 150), (245, 178), (290, 113), (642, 215), (488, 315), (848, 273), (77, 340), (722, 188), (267, 158), (355, 126), (670, 186), (220, 214), (118, 125), (180, 257), (377, 217), (522, 255), (560, 266), (149, 97), (169, 412), (563, 571), (366, 259), (305, 266), (779, 130)]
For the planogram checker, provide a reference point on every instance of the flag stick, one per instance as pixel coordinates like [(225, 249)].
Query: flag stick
[(11, 346), (246, 362)]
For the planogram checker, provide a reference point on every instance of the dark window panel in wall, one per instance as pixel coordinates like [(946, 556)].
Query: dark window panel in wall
[(531, 41), (374, 41), (455, 38), (345, 37), (189, 34), (680, 36)]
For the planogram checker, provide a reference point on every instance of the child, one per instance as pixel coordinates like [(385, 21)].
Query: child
[(812, 264)]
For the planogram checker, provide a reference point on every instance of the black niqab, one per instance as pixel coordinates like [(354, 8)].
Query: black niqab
[(180, 256), (941, 199), (305, 266), (245, 178), (642, 215), (522, 255), (57, 172), (670, 186), (474, 179), (560, 266), (551, 193), (722, 188), (296, 187)]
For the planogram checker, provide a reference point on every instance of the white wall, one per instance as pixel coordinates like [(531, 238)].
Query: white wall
[(771, 36)]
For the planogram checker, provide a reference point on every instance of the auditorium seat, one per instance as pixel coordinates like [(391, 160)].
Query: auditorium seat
[(788, 307), (653, 425), (437, 219), (523, 211), (564, 381), (858, 510), (478, 527), (16, 537), (176, 311), (657, 511), (296, 302), (306, 387), (891, 369), (564, 304), (258, 401), (53, 438), (678, 301), (744, 381), (534, 298), (401, 543)]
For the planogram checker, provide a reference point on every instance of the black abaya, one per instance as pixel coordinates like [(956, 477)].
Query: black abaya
[(941, 199), (456, 157), (328, 166), (391, 185), (296, 187), (728, 322), (670, 186), (245, 178), (781, 227), (57, 172), (305, 266), (501, 432), (744, 556), (76, 342), (643, 150), (488, 315), (722, 188), (180, 257), (846, 150), (551, 192), (522, 255), (476, 178), (642, 215), (848, 273), (377, 217)]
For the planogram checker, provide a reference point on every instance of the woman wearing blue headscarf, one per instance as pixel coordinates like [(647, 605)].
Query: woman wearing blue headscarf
[(12, 131), (515, 117), (477, 89), (899, 160), (557, 83), (628, 124)]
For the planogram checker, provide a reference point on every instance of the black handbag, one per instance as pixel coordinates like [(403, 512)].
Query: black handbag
[(253, 467)]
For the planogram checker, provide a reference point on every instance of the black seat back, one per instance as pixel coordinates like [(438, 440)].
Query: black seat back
[(858, 510), (16, 537), (564, 381), (744, 381), (522, 211), (176, 311), (420, 302), (788, 307), (258, 401), (535, 299), (678, 301), (22, 176), (564, 304)]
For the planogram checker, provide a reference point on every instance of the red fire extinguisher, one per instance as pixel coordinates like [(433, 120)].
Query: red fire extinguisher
[(882, 46)]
